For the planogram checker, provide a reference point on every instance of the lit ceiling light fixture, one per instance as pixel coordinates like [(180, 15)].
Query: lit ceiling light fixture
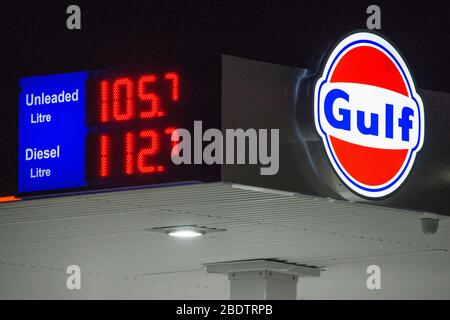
[(189, 231), (185, 233)]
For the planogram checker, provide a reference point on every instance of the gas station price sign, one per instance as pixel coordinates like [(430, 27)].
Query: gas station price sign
[(105, 129)]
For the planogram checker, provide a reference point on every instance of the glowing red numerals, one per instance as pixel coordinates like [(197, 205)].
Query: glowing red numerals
[(153, 149), (123, 84), (173, 77), (104, 98), (129, 153), (126, 93), (141, 162), (129, 98), (176, 138), (105, 145), (144, 96)]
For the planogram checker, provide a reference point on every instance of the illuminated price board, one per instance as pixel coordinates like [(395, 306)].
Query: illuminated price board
[(112, 128)]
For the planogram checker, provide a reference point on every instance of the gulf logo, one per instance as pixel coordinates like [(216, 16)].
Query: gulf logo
[(369, 115)]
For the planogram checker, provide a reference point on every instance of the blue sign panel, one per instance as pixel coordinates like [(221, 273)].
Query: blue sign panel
[(52, 132)]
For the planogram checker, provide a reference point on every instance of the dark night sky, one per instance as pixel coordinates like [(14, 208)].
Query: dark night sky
[(34, 40)]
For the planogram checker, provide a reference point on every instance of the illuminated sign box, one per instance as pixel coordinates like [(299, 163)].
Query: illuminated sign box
[(111, 128)]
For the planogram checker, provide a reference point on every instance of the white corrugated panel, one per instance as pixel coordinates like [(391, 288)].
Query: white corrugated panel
[(105, 234)]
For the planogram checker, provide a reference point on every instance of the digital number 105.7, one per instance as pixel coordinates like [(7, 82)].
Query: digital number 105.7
[(127, 98)]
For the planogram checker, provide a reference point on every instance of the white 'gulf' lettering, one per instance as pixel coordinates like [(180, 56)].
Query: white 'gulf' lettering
[(369, 116)]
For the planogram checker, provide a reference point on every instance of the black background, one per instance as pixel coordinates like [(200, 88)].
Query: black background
[(282, 309), (35, 40)]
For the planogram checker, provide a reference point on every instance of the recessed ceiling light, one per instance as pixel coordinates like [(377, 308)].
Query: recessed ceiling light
[(185, 233), (189, 231)]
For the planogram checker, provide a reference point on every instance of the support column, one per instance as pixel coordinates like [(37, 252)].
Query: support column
[(262, 279)]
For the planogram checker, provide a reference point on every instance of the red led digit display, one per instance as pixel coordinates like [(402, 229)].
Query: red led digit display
[(104, 101), (129, 153), (126, 99), (145, 154), (152, 98), (116, 127), (131, 120), (176, 138), (135, 115), (123, 99), (173, 77), (104, 154)]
